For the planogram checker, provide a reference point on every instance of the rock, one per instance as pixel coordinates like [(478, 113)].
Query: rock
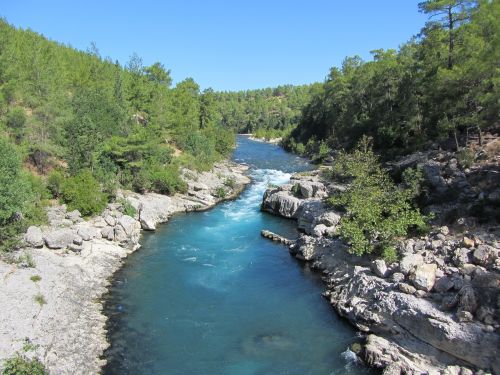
[(449, 302), (129, 224), (307, 213), (443, 284), (75, 216), (379, 268), (424, 276), (467, 300), (320, 230), (392, 369), (407, 288), (444, 230), (110, 220), (409, 262), (119, 234), (397, 277), (483, 255), (59, 238), (280, 202), (329, 218), (489, 328), (464, 316), (303, 249), (77, 240), (33, 237), (461, 256), (148, 223), (88, 233), (452, 370), (108, 233), (309, 189), (467, 242), (75, 248)]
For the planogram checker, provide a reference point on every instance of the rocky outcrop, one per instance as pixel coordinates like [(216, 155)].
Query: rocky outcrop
[(75, 260), (435, 311)]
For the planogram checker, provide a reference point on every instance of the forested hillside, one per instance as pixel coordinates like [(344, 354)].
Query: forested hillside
[(438, 86), (83, 126), (267, 113)]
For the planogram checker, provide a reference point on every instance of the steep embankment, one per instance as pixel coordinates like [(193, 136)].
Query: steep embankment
[(436, 309), (61, 313)]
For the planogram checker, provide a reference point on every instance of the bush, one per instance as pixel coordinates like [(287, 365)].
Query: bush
[(377, 210), (83, 193), (55, 181), (166, 180), (21, 365), (230, 182), (16, 119), (128, 209), (220, 192)]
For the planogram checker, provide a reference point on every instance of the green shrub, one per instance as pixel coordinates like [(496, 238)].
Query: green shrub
[(299, 149), (55, 181), (40, 299), (21, 365), (16, 119), (466, 158), (166, 180), (128, 209), (377, 210), (35, 278), (83, 193), (389, 254), (220, 192), (230, 182)]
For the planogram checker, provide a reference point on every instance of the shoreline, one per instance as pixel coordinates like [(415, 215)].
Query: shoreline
[(76, 261), (405, 311)]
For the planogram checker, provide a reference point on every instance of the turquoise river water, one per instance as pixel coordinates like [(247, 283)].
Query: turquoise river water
[(206, 294)]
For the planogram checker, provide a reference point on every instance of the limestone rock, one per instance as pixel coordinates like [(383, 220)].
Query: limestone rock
[(33, 237), (59, 238), (424, 276), (409, 262), (75, 216), (407, 288), (88, 233), (379, 268), (280, 202)]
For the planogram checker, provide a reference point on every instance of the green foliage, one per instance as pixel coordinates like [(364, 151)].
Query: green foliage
[(230, 182), (128, 209), (40, 299), (166, 180), (389, 254), (220, 192), (435, 85), (83, 193), (55, 181), (22, 365), (35, 278), (466, 158), (377, 210), (26, 260)]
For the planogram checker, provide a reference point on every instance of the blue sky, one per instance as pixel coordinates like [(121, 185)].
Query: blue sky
[(226, 45)]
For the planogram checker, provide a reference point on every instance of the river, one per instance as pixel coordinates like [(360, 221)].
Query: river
[(206, 294)]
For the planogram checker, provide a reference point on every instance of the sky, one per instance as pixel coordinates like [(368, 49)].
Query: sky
[(226, 45)]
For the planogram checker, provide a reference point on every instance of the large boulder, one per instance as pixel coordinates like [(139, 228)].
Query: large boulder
[(34, 237), (129, 224), (307, 214), (424, 277), (280, 202), (409, 262), (379, 268), (310, 189), (59, 238), (88, 233)]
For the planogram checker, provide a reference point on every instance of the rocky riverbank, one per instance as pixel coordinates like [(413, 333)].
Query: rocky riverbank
[(50, 297), (436, 310)]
